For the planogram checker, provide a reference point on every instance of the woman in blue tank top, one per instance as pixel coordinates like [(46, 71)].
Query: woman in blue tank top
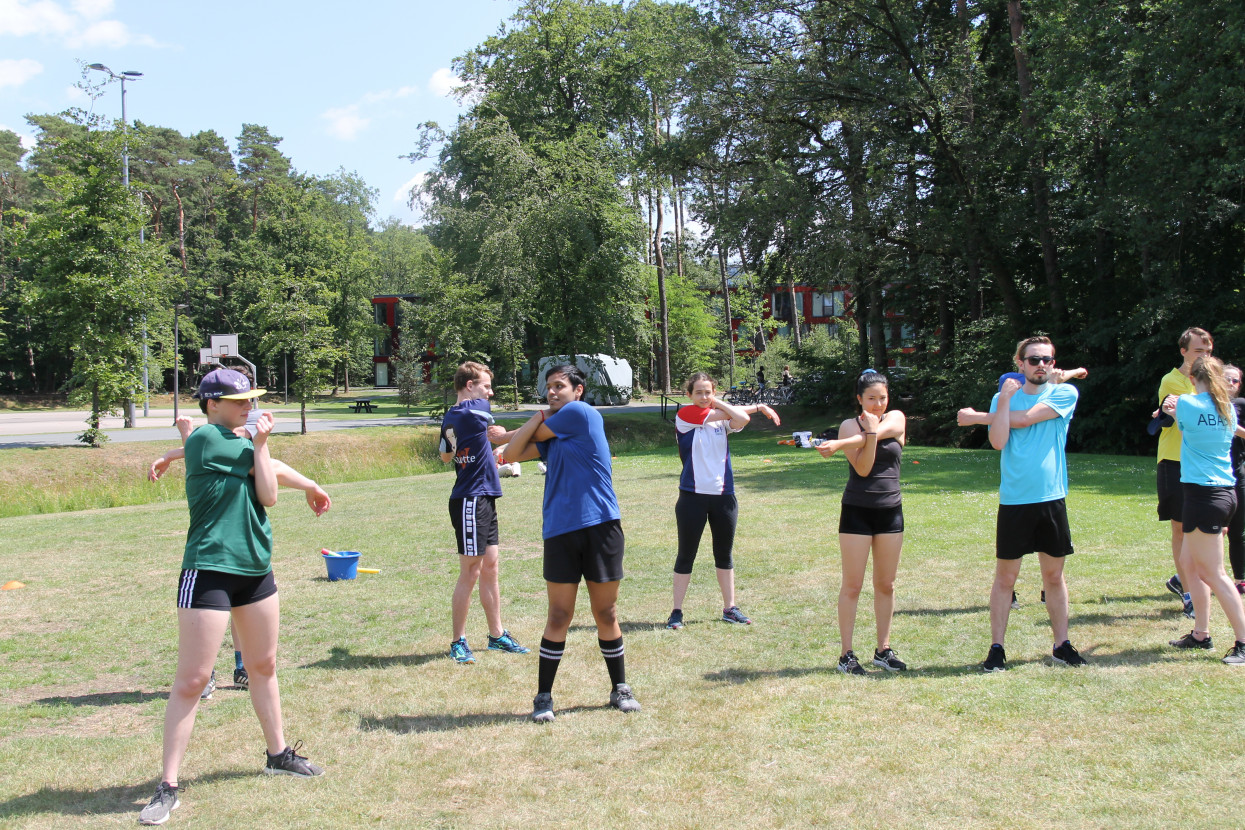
[(1207, 423), (871, 515)]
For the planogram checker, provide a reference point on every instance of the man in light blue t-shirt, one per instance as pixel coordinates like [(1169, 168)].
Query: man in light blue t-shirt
[(1029, 425)]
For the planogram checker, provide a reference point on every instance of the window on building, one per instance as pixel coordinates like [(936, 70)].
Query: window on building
[(828, 304), (781, 305)]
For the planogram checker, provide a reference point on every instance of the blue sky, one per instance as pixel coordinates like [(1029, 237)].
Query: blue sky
[(344, 84)]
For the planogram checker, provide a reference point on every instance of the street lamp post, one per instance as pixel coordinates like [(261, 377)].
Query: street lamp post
[(177, 355), (129, 75)]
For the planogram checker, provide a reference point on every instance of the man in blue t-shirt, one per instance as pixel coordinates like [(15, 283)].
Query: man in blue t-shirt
[(466, 432), (1029, 424)]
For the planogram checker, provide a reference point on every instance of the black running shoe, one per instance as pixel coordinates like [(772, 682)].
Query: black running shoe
[(889, 660), (162, 803), (1066, 654), (996, 660), (848, 664), (1015, 602), (289, 762), (676, 620), (1236, 657), (241, 679), (542, 708), (1175, 587), (1189, 641)]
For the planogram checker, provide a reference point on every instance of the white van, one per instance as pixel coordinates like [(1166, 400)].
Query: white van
[(608, 380)]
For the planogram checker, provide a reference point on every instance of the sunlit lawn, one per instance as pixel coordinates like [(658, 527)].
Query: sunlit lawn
[(742, 726)]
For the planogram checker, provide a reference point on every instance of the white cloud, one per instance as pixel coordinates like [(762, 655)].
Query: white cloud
[(403, 194), (18, 72), (79, 25), (443, 82), (390, 94), (345, 122), (76, 94), (28, 141)]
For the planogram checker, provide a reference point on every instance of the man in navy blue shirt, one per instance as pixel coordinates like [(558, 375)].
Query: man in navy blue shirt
[(466, 432)]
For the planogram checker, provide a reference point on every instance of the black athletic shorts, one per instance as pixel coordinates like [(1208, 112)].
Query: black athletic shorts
[(1032, 528), (219, 591), (475, 524), (870, 521), (592, 553), (1208, 509), (1171, 492)]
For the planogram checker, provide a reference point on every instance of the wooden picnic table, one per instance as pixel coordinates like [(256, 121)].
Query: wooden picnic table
[(363, 405)]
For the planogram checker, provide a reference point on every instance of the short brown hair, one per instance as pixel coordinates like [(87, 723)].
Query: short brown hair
[(1189, 334), (697, 378), (468, 372), (1040, 339)]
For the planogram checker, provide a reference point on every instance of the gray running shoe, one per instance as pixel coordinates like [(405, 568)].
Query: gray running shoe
[(1015, 602), (542, 708), (1236, 657), (676, 620), (622, 700), (162, 803), (289, 762), (734, 615), (209, 688)]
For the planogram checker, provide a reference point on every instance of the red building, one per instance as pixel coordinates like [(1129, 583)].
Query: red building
[(386, 311)]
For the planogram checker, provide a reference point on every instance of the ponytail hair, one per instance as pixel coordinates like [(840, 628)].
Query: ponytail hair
[(1208, 371)]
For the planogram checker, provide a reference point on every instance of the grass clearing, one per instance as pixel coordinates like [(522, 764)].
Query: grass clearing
[(741, 725)]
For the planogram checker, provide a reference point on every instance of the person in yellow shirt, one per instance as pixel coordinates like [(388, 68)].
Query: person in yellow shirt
[(1194, 343)]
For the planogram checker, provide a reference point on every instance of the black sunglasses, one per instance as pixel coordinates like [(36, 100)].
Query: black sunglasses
[(1035, 360)]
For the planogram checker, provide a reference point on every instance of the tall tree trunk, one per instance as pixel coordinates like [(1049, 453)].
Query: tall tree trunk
[(795, 310), (181, 236), (660, 259), (1037, 168)]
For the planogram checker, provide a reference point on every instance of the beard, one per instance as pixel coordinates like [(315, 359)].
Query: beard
[(1039, 380)]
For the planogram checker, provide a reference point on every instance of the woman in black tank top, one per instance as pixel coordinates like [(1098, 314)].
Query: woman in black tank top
[(872, 515)]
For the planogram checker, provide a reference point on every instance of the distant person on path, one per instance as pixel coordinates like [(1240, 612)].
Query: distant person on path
[(1207, 423), (871, 516), (761, 377), (1194, 343), (227, 572), (787, 380), (465, 436), (1236, 528), (1029, 424), (581, 527), (707, 489)]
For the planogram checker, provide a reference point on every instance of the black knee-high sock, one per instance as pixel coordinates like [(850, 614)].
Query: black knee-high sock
[(550, 657), (612, 651)]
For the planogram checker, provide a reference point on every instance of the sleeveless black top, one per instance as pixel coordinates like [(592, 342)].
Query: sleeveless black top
[(881, 487)]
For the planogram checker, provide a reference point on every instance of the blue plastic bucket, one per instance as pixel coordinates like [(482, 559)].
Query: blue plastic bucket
[(343, 564)]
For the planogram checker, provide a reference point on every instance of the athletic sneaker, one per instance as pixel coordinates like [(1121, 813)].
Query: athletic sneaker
[(506, 643), (1240, 585), (241, 679), (622, 699), (289, 762), (996, 660), (676, 620), (1189, 641), (460, 652), (1175, 587), (1066, 654), (1043, 597), (210, 687), (542, 708), (889, 660), (1015, 602), (1236, 657), (1188, 607), (162, 803), (734, 615), (848, 664)]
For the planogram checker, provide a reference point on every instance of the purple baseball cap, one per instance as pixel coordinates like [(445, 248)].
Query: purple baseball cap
[(227, 384)]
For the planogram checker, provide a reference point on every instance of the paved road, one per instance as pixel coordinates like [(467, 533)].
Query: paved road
[(62, 428)]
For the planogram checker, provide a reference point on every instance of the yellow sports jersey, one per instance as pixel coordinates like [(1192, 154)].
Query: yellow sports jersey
[(1173, 383)]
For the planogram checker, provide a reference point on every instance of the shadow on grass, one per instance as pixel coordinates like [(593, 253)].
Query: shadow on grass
[(405, 724), (104, 699), (627, 627), (941, 612), (341, 658), (104, 801)]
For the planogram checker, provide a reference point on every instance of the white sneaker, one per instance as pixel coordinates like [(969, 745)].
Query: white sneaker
[(511, 470), (540, 467)]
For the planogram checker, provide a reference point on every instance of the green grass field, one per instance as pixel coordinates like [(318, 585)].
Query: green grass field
[(742, 726)]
